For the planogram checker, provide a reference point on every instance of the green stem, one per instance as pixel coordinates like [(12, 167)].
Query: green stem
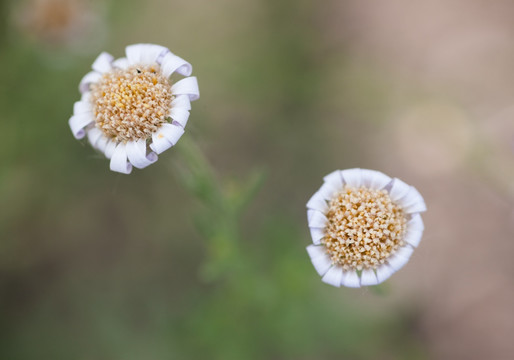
[(219, 221)]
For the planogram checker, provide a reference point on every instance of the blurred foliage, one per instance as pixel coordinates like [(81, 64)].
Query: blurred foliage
[(97, 265)]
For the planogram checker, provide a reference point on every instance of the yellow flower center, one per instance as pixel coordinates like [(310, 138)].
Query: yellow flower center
[(131, 104), (364, 228)]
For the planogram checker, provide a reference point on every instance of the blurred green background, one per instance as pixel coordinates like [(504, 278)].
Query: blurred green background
[(98, 265)]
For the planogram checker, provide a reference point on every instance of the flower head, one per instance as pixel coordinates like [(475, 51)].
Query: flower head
[(364, 227), (130, 110)]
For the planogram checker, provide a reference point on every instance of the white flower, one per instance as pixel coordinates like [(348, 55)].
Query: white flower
[(130, 110), (364, 227)]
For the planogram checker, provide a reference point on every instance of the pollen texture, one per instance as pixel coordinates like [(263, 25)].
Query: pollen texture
[(132, 103), (364, 228)]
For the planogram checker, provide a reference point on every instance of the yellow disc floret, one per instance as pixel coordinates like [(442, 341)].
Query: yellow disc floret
[(131, 104), (364, 228)]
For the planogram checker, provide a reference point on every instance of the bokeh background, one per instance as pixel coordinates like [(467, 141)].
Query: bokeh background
[(97, 265)]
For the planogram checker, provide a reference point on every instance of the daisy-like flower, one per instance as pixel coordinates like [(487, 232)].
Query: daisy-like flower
[(130, 110), (364, 227)]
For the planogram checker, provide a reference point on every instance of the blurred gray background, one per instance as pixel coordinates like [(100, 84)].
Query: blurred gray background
[(97, 265)]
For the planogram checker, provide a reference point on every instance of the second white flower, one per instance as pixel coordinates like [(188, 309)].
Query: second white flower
[(364, 227)]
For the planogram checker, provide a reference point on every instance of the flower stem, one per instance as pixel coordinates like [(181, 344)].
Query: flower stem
[(223, 203)]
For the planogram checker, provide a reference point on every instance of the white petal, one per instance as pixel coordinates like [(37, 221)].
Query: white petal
[(119, 161), (397, 262), (335, 179), (121, 63), (368, 277), (384, 272), (103, 62), (187, 86), (166, 137), (144, 53), (88, 79), (367, 177), (171, 63), (333, 276), (316, 202), (413, 202), (94, 134), (179, 115), (78, 123), (405, 252), (317, 234), (310, 212), (101, 144), (374, 179), (416, 223), (160, 143), (316, 251), (413, 237), (154, 54), (86, 97), (414, 230), (398, 190), (317, 220), (321, 264), (351, 279), (352, 177), (81, 107), (110, 146), (172, 132), (181, 102), (319, 258), (136, 152), (328, 190), (135, 53)]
